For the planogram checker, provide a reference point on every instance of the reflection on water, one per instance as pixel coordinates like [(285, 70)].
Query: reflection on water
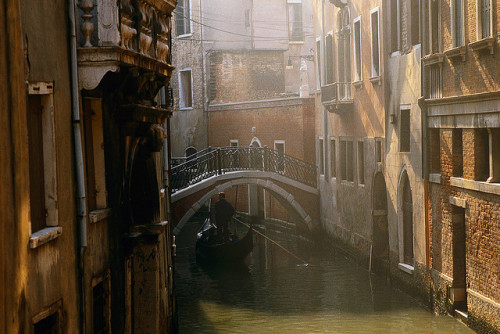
[(279, 294)]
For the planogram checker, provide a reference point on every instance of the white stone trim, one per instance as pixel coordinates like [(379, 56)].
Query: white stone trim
[(484, 187), (44, 235)]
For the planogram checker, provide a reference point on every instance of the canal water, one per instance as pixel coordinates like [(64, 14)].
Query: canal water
[(278, 293)]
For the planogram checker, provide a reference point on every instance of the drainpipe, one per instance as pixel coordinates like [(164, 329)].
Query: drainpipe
[(423, 125), (78, 147)]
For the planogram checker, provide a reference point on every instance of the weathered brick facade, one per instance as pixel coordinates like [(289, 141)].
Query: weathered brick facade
[(464, 193)]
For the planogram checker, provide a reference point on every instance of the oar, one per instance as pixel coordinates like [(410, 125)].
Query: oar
[(274, 242)]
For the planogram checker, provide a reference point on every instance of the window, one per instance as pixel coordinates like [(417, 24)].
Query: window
[(100, 308), (185, 89), (375, 43), (434, 151), (247, 18), (279, 147), (404, 131), (42, 159), (94, 154), (435, 82), (378, 150), (48, 325), (394, 26), (321, 158), (333, 158), (346, 160), (361, 162), (344, 54), (357, 49), (457, 23), (407, 204), (457, 150), (233, 142), (295, 32), (435, 32), (48, 321), (329, 59), (485, 18), (415, 22), (235, 158), (482, 155), (183, 17), (318, 63)]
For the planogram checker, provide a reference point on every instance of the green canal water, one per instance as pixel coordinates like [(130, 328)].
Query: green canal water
[(279, 294)]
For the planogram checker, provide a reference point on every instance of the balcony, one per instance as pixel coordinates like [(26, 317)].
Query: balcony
[(337, 97), (130, 33)]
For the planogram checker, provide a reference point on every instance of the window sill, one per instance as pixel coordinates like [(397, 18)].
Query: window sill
[(406, 268), (376, 80), (296, 42), (483, 44), (480, 186), (186, 108), (45, 235), (456, 52), (361, 185), (435, 178), (185, 35), (358, 84), (349, 183), (435, 58), (98, 215)]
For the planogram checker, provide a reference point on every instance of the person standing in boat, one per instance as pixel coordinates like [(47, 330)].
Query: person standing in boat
[(223, 213)]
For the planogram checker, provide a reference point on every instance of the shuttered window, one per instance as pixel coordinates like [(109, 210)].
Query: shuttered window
[(182, 18), (486, 18), (404, 131)]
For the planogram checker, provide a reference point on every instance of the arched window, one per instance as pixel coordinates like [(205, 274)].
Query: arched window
[(407, 208), (344, 53), (190, 151)]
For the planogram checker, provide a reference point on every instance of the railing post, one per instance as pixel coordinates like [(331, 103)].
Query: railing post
[(266, 156), (219, 167)]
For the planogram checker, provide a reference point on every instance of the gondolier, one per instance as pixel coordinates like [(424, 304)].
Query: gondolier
[(223, 213)]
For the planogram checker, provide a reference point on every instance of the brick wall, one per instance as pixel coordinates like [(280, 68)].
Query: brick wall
[(245, 76), (480, 71)]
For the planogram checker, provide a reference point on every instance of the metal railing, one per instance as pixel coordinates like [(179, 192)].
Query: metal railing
[(220, 160)]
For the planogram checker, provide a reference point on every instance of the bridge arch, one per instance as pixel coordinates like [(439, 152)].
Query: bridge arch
[(238, 178)]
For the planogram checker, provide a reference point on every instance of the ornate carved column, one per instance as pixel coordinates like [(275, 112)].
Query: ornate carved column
[(87, 26)]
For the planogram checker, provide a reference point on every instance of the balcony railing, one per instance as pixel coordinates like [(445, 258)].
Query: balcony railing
[(129, 32), (337, 96)]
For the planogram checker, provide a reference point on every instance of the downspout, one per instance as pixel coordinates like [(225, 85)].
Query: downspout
[(78, 147), (423, 125)]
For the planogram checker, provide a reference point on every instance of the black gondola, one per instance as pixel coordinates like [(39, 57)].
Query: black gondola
[(210, 248)]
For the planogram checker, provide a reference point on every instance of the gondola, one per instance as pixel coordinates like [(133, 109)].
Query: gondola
[(210, 249)]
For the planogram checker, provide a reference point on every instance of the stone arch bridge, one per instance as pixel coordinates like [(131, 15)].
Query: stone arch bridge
[(291, 181)]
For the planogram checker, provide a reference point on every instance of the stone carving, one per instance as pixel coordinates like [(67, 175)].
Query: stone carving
[(107, 13), (128, 32), (87, 26), (146, 33), (162, 47)]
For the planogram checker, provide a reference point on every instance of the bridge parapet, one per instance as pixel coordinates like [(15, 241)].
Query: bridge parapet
[(220, 160)]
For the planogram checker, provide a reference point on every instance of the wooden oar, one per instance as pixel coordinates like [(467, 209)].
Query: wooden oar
[(274, 242)]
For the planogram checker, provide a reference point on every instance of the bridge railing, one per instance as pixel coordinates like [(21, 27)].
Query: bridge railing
[(220, 160)]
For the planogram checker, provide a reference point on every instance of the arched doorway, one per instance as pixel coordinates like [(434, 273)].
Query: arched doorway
[(407, 219), (380, 235)]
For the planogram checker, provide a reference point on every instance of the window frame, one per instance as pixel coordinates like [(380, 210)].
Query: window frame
[(333, 158), (360, 162), (281, 163), (404, 109), (480, 19), (182, 105), (453, 9), (50, 226), (291, 31), (318, 57), (358, 55), (190, 25), (321, 157), (375, 74)]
